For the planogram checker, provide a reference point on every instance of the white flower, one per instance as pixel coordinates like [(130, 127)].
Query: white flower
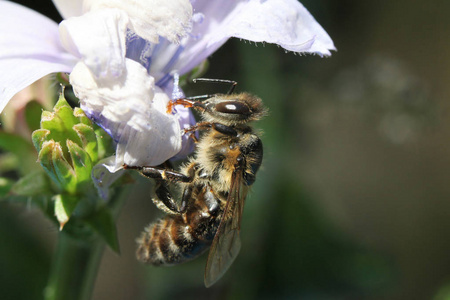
[(122, 56)]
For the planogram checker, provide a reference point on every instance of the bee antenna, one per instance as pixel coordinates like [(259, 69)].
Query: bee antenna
[(226, 81)]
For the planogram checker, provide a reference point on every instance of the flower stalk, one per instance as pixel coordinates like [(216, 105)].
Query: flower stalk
[(75, 266), (78, 256)]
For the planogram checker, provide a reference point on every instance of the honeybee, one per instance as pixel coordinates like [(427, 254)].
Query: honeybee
[(214, 184)]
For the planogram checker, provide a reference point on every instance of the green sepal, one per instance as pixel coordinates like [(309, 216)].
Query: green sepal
[(62, 102), (102, 222), (88, 139), (64, 206), (52, 159), (32, 184), (81, 161), (79, 113), (38, 137), (63, 170), (45, 158)]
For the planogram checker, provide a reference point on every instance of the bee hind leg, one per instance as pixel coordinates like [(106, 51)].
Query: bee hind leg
[(164, 200)]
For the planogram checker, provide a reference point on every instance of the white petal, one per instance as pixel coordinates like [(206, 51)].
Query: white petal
[(98, 38), (160, 140), (29, 49), (132, 112), (69, 8), (152, 18)]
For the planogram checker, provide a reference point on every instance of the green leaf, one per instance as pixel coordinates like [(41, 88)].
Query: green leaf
[(102, 222), (21, 148), (9, 162), (33, 111), (14, 143), (198, 71), (5, 186), (33, 184), (64, 206)]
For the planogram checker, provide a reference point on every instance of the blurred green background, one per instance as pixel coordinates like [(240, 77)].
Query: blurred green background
[(353, 200)]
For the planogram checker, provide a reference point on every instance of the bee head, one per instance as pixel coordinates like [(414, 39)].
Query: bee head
[(233, 109)]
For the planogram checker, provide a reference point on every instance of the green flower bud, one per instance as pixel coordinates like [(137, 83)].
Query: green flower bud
[(67, 147)]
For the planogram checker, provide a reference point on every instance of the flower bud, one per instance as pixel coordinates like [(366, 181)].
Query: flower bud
[(67, 147)]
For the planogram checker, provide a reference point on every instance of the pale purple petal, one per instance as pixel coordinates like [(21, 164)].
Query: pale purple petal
[(184, 116), (284, 22), (29, 49), (104, 175)]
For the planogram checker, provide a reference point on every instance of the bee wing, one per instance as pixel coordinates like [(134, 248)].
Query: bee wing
[(226, 244)]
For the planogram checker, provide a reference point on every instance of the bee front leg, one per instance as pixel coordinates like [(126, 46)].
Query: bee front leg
[(224, 129)]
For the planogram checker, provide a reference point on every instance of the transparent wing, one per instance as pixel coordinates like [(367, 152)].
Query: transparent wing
[(226, 244)]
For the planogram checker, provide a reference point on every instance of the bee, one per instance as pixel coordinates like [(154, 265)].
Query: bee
[(214, 185)]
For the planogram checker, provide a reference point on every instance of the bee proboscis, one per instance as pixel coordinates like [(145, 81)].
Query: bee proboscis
[(214, 184)]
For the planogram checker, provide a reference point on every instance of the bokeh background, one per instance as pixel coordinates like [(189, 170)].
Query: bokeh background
[(353, 200)]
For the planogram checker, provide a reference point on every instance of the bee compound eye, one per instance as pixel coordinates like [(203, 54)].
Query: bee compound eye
[(233, 107)]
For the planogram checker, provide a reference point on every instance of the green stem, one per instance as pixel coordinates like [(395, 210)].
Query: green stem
[(77, 260), (74, 268)]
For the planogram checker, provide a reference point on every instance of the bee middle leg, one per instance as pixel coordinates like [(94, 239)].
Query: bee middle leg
[(161, 173)]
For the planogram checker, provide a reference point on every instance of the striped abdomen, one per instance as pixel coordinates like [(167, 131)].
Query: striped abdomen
[(178, 238)]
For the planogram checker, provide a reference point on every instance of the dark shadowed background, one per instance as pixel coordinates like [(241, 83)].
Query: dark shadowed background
[(353, 199)]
